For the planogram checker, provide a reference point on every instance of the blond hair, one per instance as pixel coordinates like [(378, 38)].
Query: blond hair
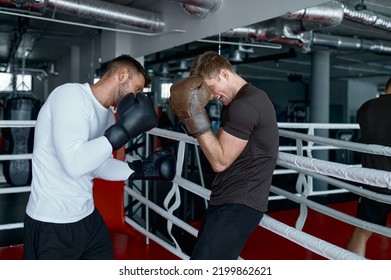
[(209, 65)]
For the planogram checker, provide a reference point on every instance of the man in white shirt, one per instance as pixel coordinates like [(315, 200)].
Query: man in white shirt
[(75, 135)]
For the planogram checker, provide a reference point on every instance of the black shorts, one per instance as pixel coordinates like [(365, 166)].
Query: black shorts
[(224, 231), (87, 239), (373, 211)]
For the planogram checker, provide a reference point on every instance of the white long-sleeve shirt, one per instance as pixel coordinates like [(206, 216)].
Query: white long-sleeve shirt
[(69, 151)]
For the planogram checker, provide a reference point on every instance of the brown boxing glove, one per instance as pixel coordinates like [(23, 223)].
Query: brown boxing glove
[(188, 99)]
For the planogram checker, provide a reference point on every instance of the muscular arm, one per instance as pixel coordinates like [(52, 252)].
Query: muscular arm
[(113, 170), (221, 150), (78, 154)]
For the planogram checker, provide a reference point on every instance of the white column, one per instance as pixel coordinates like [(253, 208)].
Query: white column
[(320, 102)]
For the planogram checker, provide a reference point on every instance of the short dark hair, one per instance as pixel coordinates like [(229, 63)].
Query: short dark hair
[(132, 64)]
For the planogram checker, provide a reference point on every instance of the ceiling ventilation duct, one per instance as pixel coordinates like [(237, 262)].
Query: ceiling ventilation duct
[(288, 28), (93, 10), (313, 18), (296, 28), (350, 43), (367, 17)]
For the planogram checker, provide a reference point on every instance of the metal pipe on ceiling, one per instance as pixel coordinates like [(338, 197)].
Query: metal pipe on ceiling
[(297, 28), (92, 9), (332, 13), (339, 42), (23, 5), (313, 18), (290, 26), (367, 17), (109, 12)]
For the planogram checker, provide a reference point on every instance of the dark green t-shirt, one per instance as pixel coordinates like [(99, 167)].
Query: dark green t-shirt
[(250, 116)]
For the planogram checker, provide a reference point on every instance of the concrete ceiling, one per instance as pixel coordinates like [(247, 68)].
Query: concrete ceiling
[(43, 36)]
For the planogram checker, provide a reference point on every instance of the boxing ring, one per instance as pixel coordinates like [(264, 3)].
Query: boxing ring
[(295, 159)]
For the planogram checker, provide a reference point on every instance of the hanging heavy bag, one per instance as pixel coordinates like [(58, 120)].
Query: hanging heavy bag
[(19, 140)]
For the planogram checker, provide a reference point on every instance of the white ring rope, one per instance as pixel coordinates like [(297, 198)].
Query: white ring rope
[(173, 135), (333, 213), (21, 189), (15, 157), (305, 240), (193, 187), (157, 239), (17, 123), (309, 242), (162, 212), (352, 146), (368, 176), (11, 226), (352, 188), (318, 125)]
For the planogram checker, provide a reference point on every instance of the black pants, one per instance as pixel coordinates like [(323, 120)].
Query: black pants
[(88, 238), (371, 210), (224, 231)]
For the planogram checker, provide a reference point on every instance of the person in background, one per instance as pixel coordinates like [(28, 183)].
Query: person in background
[(75, 135), (243, 152), (374, 118)]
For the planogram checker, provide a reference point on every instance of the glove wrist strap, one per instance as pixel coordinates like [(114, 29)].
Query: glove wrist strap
[(197, 124)]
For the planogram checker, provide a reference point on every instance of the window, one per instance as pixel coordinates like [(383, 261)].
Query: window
[(165, 90), (23, 82)]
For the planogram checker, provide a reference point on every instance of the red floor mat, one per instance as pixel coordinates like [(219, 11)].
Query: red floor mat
[(262, 244)]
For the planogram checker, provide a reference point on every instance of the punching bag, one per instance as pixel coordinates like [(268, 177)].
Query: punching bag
[(19, 140)]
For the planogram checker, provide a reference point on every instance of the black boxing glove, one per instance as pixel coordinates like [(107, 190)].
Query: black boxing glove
[(136, 115), (160, 165)]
